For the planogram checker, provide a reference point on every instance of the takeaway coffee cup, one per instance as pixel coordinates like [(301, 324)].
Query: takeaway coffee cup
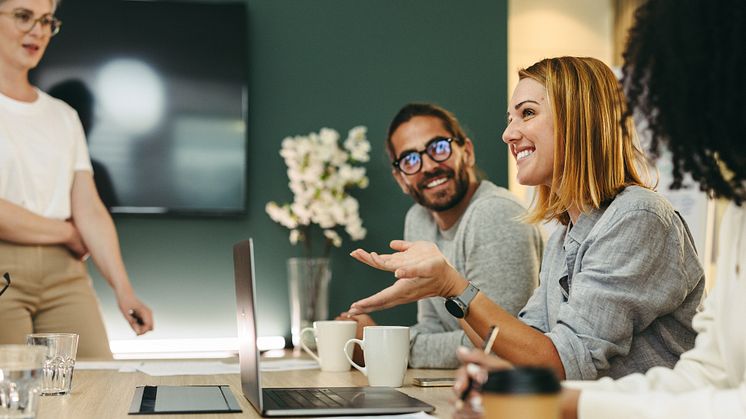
[(527, 393), (331, 336), (386, 354)]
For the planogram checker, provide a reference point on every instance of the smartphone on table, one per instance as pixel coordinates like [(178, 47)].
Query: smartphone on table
[(434, 381)]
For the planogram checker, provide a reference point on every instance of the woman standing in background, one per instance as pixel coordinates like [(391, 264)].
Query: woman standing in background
[(51, 217)]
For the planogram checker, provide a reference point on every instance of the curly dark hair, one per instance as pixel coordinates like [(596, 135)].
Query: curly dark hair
[(683, 70)]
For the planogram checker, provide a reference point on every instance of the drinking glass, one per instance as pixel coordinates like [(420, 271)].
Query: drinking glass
[(59, 361), (20, 380)]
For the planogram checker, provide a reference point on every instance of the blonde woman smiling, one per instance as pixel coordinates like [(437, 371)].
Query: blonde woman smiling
[(619, 284)]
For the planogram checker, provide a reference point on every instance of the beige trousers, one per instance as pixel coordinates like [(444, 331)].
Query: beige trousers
[(50, 291)]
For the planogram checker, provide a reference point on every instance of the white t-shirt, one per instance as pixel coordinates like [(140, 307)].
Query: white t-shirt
[(42, 145)]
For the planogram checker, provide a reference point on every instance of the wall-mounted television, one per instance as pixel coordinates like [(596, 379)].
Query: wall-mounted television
[(161, 87)]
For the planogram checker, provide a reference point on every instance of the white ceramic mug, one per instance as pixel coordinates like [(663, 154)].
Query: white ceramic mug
[(386, 354), (331, 336)]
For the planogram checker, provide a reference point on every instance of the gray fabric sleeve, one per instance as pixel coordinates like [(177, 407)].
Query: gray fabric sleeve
[(431, 344), (501, 259), (502, 254), (622, 288)]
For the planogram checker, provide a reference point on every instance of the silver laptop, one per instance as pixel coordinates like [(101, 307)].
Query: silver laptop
[(305, 401)]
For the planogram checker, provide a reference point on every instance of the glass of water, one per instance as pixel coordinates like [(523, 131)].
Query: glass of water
[(59, 360), (20, 380)]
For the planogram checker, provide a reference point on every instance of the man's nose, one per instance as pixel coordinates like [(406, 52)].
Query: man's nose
[(428, 163)]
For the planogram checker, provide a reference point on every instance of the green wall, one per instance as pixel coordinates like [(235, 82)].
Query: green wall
[(313, 64)]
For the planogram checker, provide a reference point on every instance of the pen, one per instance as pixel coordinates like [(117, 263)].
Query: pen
[(486, 347), (137, 317)]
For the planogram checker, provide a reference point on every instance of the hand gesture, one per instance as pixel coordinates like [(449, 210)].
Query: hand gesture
[(421, 271)]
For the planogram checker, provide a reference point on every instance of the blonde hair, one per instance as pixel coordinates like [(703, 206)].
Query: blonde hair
[(55, 3), (596, 154)]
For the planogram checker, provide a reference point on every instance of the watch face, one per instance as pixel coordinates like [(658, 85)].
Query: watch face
[(455, 308)]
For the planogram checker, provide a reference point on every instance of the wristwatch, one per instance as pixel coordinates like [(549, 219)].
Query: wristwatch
[(458, 306)]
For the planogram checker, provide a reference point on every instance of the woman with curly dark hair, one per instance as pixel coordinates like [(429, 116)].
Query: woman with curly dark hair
[(683, 64), (683, 68), (683, 72)]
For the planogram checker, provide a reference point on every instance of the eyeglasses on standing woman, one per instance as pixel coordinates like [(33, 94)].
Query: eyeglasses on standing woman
[(6, 281), (25, 22)]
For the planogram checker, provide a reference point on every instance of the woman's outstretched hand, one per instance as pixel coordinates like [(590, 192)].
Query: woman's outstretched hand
[(421, 271)]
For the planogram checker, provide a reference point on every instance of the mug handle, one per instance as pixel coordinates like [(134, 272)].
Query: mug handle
[(303, 345), (347, 351)]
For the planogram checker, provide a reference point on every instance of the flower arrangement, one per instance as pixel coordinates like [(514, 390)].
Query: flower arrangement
[(321, 173)]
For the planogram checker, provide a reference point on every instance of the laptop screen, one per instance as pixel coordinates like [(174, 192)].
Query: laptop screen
[(248, 353)]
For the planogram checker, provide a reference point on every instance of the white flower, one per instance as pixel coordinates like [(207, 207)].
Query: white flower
[(356, 232), (320, 173), (282, 215), (357, 144), (294, 236), (329, 137), (333, 237)]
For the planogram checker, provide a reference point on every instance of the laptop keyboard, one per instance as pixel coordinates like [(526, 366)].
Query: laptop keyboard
[(305, 398)]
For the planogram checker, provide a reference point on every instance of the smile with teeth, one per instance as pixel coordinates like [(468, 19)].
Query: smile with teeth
[(525, 153), (437, 182)]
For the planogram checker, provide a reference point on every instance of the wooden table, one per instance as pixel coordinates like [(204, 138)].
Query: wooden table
[(107, 394)]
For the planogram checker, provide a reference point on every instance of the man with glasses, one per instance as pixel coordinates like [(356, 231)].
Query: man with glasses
[(474, 223)]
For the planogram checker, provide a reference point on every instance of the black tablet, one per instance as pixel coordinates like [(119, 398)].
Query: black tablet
[(183, 399)]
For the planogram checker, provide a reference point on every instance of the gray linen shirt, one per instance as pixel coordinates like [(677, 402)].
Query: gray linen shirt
[(488, 246), (618, 289)]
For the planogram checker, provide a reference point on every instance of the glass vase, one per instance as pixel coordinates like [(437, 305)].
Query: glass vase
[(308, 284)]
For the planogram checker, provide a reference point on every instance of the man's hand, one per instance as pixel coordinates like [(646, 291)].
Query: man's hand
[(363, 321)]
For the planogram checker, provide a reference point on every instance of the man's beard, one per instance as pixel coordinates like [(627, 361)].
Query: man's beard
[(442, 201)]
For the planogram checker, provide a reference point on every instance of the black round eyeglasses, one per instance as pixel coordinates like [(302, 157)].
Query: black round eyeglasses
[(438, 149)]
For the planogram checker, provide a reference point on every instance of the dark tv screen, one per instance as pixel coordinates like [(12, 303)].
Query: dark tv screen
[(160, 87)]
